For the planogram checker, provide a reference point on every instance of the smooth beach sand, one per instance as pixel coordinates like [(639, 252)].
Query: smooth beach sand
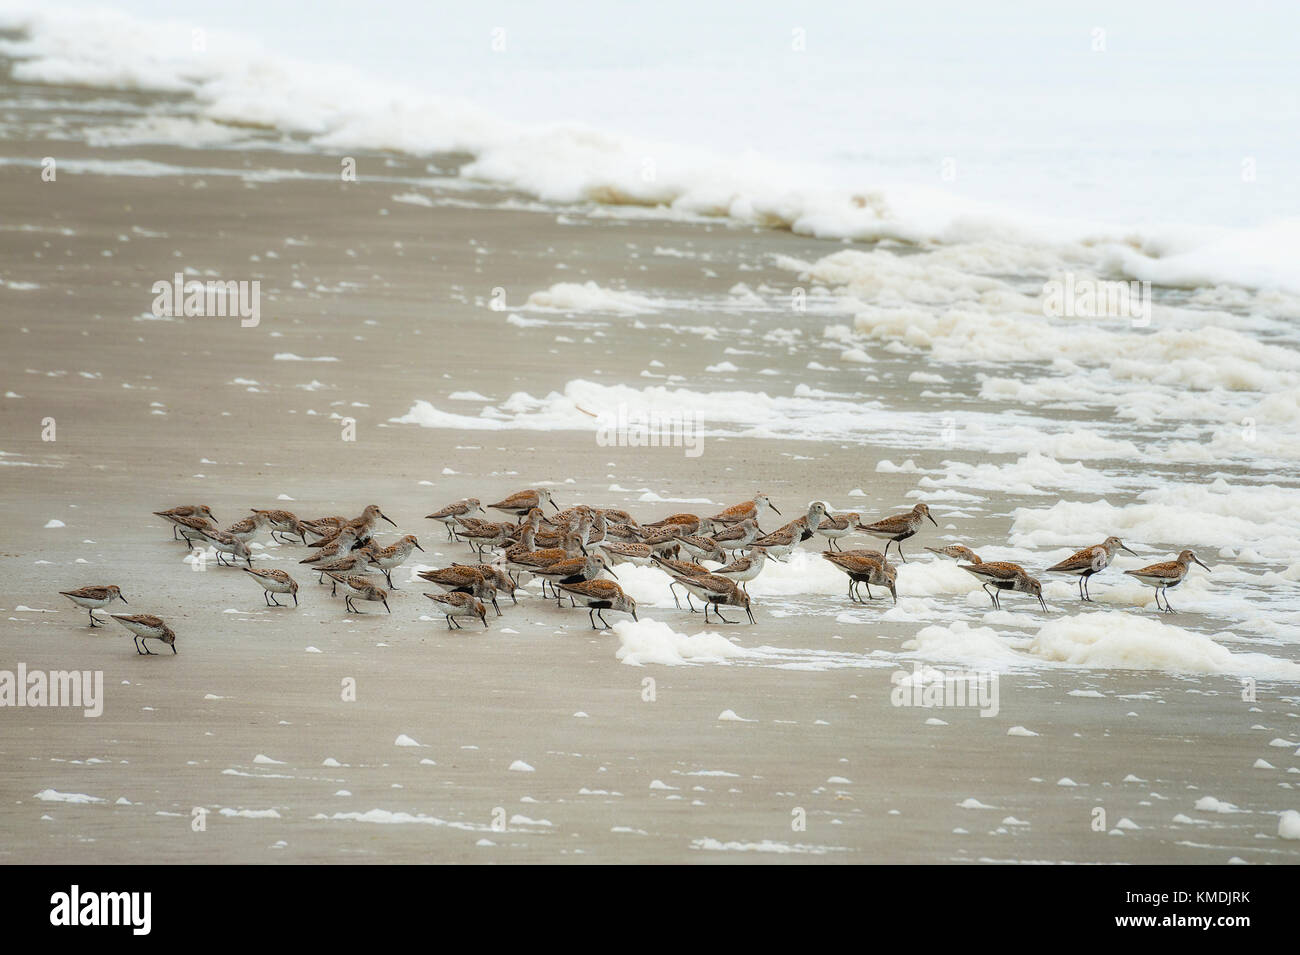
[(248, 720)]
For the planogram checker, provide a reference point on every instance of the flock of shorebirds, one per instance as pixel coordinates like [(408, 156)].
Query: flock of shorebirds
[(572, 550)]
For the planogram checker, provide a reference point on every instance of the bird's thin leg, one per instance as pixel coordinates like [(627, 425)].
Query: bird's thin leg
[(717, 612), (602, 619)]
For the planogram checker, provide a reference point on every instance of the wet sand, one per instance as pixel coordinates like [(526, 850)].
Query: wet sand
[(168, 416)]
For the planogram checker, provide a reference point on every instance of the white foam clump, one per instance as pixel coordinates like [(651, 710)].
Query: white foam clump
[(1218, 514), (1030, 474), (238, 83), (53, 795), (650, 641), (1211, 804), (589, 297), (961, 642), (1114, 639), (519, 766), (1288, 825), (54, 522), (404, 740)]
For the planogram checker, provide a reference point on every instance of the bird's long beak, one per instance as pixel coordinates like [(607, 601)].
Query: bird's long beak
[(123, 599), (634, 614), (419, 548), (386, 517), (772, 506), (1199, 561), (556, 506), (932, 520), (1042, 603), (610, 571), (1122, 547)]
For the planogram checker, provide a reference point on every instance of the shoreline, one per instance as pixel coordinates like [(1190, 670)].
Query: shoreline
[(145, 407)]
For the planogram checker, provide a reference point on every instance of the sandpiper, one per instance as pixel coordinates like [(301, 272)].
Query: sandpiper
[(465, 507), (247, 528), (747, 510), (1169, 573), (626, 533), (679, 568), (459, 604), (224, 543), (534, 560), (865, 568), (359, 588), (201, 511), (393, 556), (324, 527), (616, 515), (580, 526), (339, 545), (1004, 575), (364, 525), (353, 563), (957, 552), (598, 595), (283, 523), (275, 582), (744, 569), (461, 578), (664, 540), (701, 547), (835, 526), (146, 626), (624, 553), (681, 523), (191, 528), (899, 527), (496, 575), (93, 598), (572, 570), (736, 537), (783, 540), (480, 534), (1091, 560), (716, 592), (521, 502)]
